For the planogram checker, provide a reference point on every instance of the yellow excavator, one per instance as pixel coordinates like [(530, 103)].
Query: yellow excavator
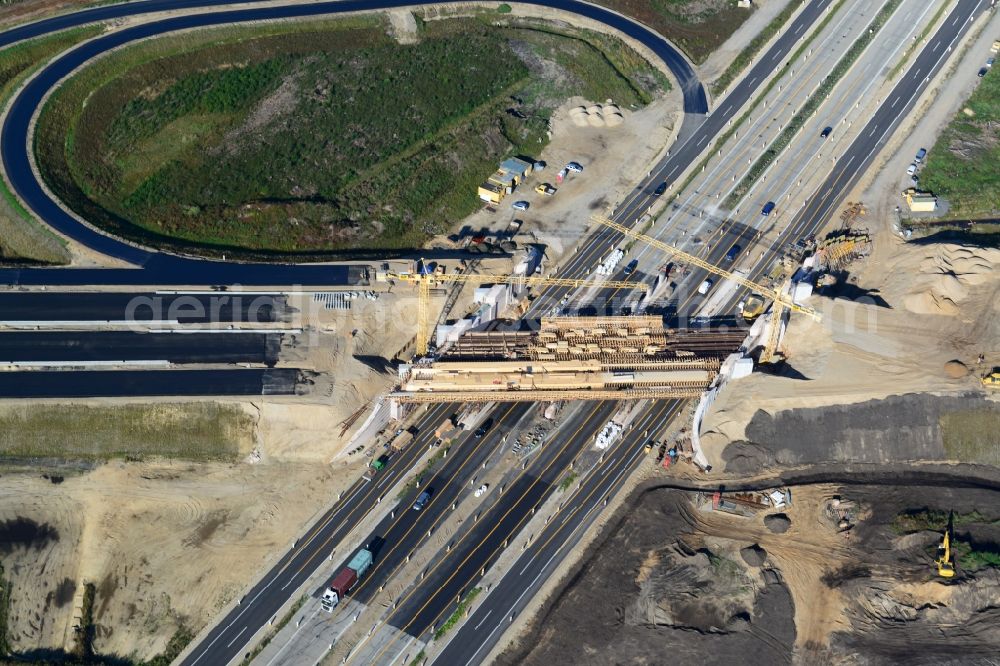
[(992, 380), (945, 562)]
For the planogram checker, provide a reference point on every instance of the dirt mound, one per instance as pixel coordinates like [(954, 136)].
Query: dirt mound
[(956, 369), (777, 523), (928, 312), (700, 591), (641, 595), (915, 426), (754, 555), (945, 274), (747, 458)]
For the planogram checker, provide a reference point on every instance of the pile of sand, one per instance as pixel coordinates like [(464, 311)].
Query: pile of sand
[(955, 369), (945, 275), (597, 115)]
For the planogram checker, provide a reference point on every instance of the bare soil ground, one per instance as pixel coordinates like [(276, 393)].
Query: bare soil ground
[(169, 544), (669, 578), (650, 588), (698, 27), (165, 544)]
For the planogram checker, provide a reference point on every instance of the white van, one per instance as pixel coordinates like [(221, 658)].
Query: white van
[(705, 286)]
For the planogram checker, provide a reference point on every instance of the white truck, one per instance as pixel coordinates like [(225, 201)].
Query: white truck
[(607, 267), (608, 435)]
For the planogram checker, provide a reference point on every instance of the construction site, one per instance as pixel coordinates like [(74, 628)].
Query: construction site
[(837, 573), (684, 383), (572, 358)]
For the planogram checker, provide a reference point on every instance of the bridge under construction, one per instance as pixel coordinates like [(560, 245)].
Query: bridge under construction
[(573, 358)]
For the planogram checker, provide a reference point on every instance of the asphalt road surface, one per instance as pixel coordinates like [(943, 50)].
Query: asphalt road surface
[(456, 572), (161, 268), (81, 347), (126, 383), (691, 144), (528, 572), (397, 537), (262, 602), (222, 308)]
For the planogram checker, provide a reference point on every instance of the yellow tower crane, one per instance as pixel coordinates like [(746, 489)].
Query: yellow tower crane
[(424, 281), (768, 354), (781, 300), (775, 296)]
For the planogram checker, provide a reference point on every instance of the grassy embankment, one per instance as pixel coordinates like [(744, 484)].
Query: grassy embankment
[(458, 613), (187, 431), (300, 140), (23, 240), (962, 165), (698, 27), (970, 436)]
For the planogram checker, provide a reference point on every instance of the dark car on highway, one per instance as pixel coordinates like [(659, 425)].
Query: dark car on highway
[(483, 429), (826, 132), (767, 209), (734, 252), (630, 268), (424, 498), (983, 72), (660, 189)]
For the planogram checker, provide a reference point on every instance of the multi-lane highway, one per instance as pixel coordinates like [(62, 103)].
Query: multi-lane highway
[(484, 627), (45, 307), (637, 202), (159, 383), (392, 540), (693, 143), (60, 348), (261, 602), (425, 604)]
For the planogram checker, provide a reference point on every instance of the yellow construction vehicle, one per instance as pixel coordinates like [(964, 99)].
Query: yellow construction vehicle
[(992, 380), (945, 563), (424, 281), (753, 307)]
